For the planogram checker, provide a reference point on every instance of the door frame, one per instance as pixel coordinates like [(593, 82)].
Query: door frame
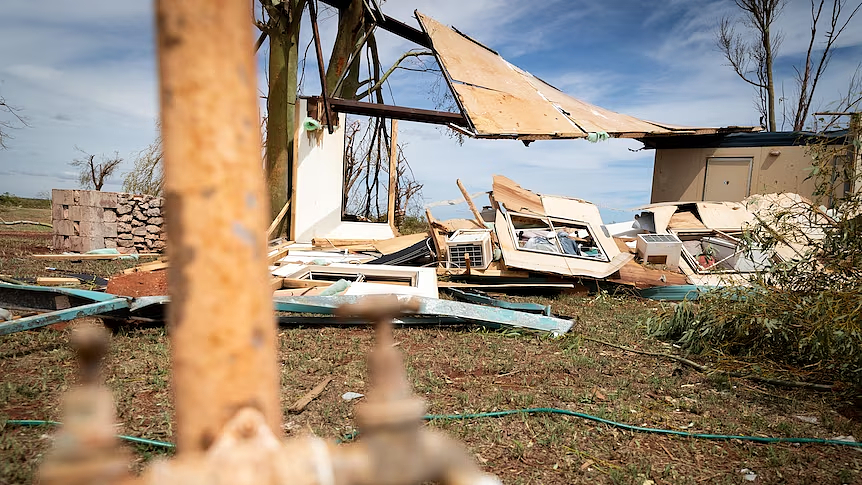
[(706, 173)]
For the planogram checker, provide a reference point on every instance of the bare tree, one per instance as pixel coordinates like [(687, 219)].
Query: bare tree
[(808, 77), (751, 56), (94, 175), (10, 118), (147, 177)]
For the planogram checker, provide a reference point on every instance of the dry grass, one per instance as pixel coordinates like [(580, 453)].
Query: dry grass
[(464, 370)]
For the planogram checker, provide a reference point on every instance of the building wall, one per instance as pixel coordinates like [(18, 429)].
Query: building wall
[(318, 193), (679, 173), (84, 220)]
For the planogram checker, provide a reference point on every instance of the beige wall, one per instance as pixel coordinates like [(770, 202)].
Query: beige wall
[(678, 174)]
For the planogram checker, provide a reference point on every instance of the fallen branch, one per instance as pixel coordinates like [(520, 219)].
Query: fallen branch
[(32, 223), (709, 371), (300, 404)]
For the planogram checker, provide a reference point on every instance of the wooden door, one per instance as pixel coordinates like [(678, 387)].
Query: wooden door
[(727, 179)]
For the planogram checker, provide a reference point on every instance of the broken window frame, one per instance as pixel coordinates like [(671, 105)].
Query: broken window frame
[(384, 178), (691, 259), (549, 221)]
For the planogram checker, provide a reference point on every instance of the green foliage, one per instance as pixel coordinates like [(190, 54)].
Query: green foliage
[(413, 225), (818, 329), (806, 309), (10, 200)]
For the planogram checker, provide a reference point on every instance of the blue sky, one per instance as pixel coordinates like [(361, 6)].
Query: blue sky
[(83, 73)]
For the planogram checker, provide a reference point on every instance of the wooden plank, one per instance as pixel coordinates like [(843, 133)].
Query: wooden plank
[(277, 252), (439, 241), (452, 225), (621, 245), (302, 402), (458, 284), (389, 246), (276, 283), (637, 275), (393, 177), (470, 203), (302, 283), (277, 219), (490, 272), (89, 257), (341, 243), (515, 198), (147, 267), (56, 281)]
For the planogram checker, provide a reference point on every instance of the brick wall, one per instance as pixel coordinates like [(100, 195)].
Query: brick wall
[(86, 219)]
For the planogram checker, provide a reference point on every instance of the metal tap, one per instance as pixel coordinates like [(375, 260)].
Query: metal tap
[(86, 449), (394, 448)]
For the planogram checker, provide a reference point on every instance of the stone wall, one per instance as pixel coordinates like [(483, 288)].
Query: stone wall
[(87, 219)]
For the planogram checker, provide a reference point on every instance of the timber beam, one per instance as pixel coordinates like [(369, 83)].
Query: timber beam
[(397, 112), (389, 24)]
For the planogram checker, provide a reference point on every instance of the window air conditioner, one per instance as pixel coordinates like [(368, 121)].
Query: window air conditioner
[(473, 242), (660, 249)]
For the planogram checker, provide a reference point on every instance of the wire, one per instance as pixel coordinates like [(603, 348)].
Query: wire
[(132, 439)]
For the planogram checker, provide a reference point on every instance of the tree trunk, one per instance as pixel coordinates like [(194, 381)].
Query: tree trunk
[(350, 30), (770, 84), (283, 54)]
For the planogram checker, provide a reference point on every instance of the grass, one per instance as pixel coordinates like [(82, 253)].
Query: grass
[(465, 370)]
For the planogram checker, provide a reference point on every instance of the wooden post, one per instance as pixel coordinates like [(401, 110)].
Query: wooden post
[(221, 323), (393, 176), (473, 209)]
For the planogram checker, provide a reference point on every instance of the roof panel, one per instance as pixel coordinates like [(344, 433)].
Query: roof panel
[(503, 101)]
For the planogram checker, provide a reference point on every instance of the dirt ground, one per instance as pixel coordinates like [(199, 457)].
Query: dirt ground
[(154, 283), (460, 370)]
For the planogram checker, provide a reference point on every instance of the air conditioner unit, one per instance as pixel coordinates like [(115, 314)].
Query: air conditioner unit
[(473, 242), (660, 249)]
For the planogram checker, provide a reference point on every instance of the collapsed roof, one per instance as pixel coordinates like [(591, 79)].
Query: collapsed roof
[(501, 100)]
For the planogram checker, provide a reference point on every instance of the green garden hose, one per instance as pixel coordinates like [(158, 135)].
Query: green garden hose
[(640, 429), (133, 439), (497, 414)]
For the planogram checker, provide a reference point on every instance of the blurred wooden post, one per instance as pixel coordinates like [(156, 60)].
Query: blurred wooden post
[(221, 323)]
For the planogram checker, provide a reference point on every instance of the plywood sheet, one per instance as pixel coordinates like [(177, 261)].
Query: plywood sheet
[(724, 215), (503, 101), (589, 117), (516, 198), (661, 217), (502, 113), (685, 220)]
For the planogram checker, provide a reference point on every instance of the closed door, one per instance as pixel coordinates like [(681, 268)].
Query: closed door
[(727, 179)]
